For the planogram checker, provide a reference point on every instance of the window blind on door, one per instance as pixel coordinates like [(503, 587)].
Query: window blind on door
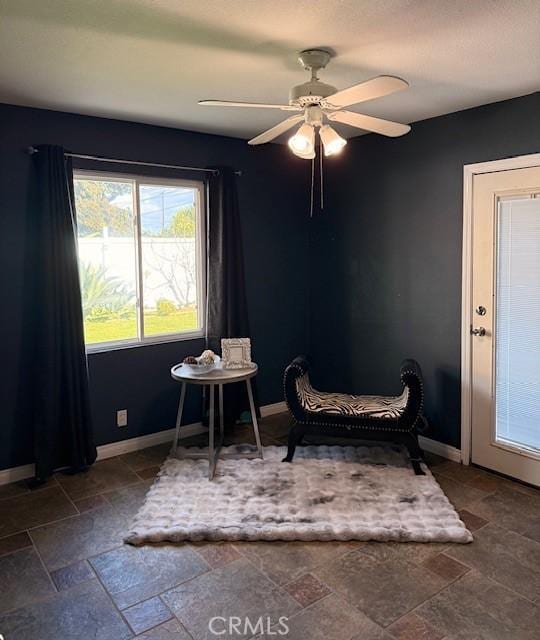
[(517, 323)]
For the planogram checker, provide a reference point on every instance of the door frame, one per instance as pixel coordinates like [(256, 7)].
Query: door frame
[(469, 171)]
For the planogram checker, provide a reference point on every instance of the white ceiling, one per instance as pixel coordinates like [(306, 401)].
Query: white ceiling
[(151, 60)]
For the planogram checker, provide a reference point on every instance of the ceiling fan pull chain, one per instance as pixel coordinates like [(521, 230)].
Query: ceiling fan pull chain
[(322, 181), (312, 185)]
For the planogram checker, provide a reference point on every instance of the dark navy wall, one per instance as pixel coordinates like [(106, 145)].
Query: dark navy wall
[(384, 263), (273, 203), (386, 253)]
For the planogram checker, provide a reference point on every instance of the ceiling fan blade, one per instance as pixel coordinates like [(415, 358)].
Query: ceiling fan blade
[(369, 123), (374, 88), (274, 132), (253, 105)]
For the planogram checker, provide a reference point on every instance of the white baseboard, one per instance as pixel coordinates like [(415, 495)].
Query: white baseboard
[(143, 442), (440, 449), (272, 409), (15, 474)]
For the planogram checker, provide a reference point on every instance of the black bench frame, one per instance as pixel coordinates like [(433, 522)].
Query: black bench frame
[(401, 430)]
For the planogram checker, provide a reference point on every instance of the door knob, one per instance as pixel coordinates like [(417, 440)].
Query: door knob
[(478, 331)]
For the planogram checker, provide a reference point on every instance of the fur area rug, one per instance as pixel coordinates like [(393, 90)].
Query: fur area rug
[(327, 493)]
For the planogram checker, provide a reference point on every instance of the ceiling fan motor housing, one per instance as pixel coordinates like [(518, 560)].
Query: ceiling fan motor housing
[(311, 92)]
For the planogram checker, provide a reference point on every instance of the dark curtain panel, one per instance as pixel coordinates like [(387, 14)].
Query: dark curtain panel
[(62, 422), (227, 305)]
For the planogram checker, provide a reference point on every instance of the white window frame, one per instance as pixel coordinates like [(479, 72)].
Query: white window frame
[(200, 256)]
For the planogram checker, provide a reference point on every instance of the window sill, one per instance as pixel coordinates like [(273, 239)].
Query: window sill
[(120, 346)]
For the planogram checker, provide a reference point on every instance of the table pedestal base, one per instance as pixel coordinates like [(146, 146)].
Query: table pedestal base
[(214, 451)]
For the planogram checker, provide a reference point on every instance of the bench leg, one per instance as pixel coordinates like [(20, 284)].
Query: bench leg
[(415, 453), (295, 438)]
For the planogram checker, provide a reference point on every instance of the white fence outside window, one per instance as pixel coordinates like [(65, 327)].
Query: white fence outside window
[(168, 264)]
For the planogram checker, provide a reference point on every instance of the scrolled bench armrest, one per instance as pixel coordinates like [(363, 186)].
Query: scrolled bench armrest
[(298, 368), (410, 368), (411, 377)]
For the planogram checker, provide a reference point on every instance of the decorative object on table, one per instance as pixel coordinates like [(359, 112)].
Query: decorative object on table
[(329, 493), (381, 418), (215, 377), (207, 357), (236, 353), (201, 364)]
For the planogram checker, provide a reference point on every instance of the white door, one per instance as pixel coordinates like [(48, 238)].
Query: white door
[(505, 323)]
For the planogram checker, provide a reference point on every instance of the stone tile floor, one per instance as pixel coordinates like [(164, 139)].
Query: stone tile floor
[(65, 573)]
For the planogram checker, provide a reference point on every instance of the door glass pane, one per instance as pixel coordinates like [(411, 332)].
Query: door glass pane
[(169, 232), (517, 373), (107, 266)]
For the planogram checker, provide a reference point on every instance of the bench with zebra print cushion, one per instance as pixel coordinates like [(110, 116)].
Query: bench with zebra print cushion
[(386, 418)]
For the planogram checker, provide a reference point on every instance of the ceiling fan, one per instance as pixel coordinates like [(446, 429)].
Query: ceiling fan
[(318, 102)]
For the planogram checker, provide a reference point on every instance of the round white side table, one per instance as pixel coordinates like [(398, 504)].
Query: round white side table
[(217, 377)]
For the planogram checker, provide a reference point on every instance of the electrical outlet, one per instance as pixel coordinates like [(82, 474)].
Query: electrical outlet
[(121, 418)]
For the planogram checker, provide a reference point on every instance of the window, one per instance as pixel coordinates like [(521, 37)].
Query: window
[(141, 248)]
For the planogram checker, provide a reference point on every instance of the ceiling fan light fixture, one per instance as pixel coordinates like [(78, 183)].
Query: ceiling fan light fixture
[(302, 143), (333, 143), (305, 156)]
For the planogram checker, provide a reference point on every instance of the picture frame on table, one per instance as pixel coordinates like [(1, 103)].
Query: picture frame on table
[(236, 353)]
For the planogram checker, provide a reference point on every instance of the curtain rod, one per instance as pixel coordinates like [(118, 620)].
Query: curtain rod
[(32, 150)]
